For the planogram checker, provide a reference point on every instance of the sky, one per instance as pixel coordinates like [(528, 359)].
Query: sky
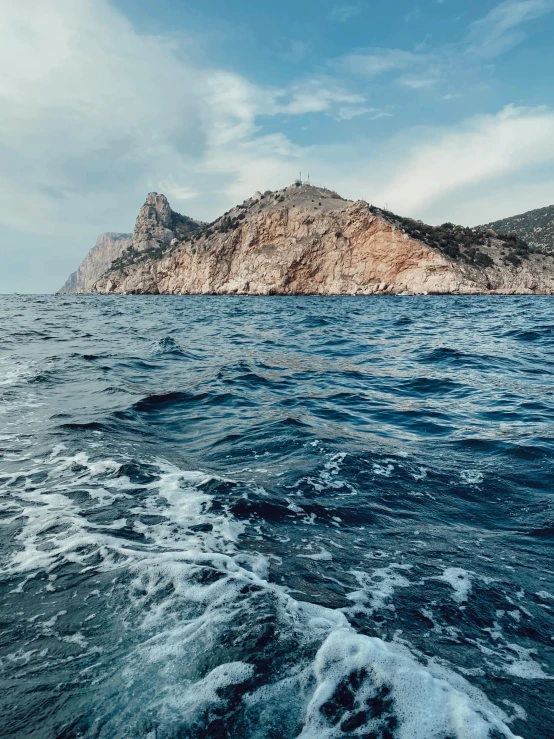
[(441, 110)]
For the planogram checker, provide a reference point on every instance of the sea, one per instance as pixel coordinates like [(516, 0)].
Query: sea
[(276, 517)]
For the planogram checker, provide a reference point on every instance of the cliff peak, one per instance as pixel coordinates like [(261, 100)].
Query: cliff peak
[(157, 228), (156, 209)]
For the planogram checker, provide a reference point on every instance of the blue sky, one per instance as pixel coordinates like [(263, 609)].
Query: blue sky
[(442, 110)]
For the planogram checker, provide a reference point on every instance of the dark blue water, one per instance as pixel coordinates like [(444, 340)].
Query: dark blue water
[(276, 517)]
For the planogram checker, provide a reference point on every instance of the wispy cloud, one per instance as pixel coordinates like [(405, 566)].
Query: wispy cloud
[(316, 96), (480, 150), (411, 14), (380, 61), (410, 69), (347, 112), (417, 83), (501, 29), (343, 13), (425, 66)]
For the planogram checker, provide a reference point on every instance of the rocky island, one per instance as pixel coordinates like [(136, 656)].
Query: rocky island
[(306, 240)]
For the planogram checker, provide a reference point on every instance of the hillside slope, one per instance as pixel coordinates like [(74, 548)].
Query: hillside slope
[(536, 227)]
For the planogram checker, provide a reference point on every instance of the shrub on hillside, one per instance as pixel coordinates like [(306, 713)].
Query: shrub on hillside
[(512, 258), (483, 260), (456, 242)]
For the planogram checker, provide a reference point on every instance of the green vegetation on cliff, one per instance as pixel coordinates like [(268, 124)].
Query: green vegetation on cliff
[(536, 227)]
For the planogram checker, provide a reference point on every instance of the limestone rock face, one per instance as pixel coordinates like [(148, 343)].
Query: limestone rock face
[(305, 240), (109, 246), (157, 225)]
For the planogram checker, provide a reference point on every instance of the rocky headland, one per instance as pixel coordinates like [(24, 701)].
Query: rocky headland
[(108, 248), (306, 240)]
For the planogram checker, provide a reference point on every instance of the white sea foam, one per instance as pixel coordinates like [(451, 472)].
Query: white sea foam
[(460, 581), (471, 477), (328, 477), (426, 707), (193, 598), (56, 528), (524, 666), (518, 710), (421, 474), (377, 587), (505, 657), (12, 370), (384, 470), (322, 556)]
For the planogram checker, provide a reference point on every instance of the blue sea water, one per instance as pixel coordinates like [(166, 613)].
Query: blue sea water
[(276, 517)]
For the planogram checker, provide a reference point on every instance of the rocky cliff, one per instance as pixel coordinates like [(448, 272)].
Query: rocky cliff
[(305, 240), (109, 246), (157, 228), (536, 227)]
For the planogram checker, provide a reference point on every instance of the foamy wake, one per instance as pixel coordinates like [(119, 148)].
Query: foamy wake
[(207, 645)]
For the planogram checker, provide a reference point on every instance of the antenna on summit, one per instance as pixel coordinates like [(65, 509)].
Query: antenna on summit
[(300, 181)]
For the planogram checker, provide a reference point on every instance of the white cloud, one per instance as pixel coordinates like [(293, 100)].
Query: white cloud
[(482, 150), (415, 70), (87, 107), (417, 83), (316, 97), (507, 198), (230, 106), (347, 112), (263, 163), (500, 29)]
